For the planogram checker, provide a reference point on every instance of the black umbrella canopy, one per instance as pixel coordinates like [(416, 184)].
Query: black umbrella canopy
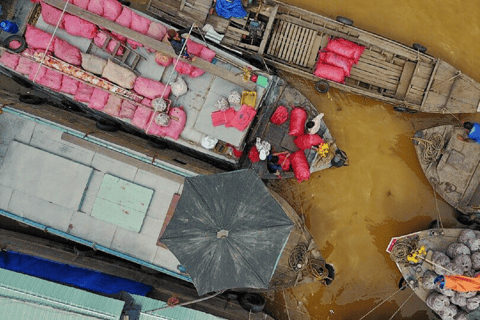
[(228, 231)]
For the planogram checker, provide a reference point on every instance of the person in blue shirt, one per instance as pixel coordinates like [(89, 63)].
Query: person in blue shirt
[(473, 131), (178, 43)]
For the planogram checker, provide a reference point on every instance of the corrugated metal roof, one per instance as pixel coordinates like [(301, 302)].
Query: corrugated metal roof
[(177, 313), (24, 298)]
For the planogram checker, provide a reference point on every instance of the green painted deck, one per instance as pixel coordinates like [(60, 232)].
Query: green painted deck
[(122, 203)]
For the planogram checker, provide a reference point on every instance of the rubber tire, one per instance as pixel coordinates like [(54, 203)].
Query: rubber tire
[(106, 126), (125, 3), (401, 283), (22, 81), (252, 302), (433, 225), (401, 109), (462, 218), (346, 21), (256, 61), (331, 274), (322, 86), (157, 144), (23, 43), (337, 163), (31, 99), (419, 47)]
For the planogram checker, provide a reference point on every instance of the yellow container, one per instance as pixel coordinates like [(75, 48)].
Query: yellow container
[(249, 98)]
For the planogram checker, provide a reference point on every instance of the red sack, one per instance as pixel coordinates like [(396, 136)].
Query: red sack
[(358, 48), (306, 141), (223, 117), (243, 117), (69, 85), (298, 118), (284, 161), (24, 63), (96, 6), (279, 116), (81, 3), (194, 47), (79, 27), (151, 88), (128, 110), (146, 102), (112, 9), (345, 48), (162, 59), (84, 92), (9, 60), (38, 39), (177, 123), (140, 23), (183, 67), (142, 117), (36, 72), (300, 165), (67, 52), (329, 72), (253, 154), (113, 106), (51, 15), (196, 72), (157, 31), (98, 99), (207, 54), (125, 18), (336, 60)]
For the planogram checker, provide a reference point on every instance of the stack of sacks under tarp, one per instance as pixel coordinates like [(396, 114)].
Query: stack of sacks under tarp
[(198, 50), (337, 60)]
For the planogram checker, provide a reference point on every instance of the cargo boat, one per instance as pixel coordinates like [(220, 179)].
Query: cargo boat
[(281, 36), (451, 167), (221, 77)]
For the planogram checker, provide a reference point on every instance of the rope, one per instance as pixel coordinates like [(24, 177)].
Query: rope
[(297, 258), (403, 304), (185, 303), (383, 302), (317, 269), (432, 145), (170, 77), (402, 249), (51, 39), (440, 222)]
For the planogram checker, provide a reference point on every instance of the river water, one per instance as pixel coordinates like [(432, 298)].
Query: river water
[(353, 211)]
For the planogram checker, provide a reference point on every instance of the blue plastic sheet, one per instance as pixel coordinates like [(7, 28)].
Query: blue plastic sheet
[(230, 8), (70, 275)]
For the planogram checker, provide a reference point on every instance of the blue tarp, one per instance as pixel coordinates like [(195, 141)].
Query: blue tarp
[(70, 275), (230, 8)]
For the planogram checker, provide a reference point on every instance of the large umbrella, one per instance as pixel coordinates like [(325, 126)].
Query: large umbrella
[(228, 231)]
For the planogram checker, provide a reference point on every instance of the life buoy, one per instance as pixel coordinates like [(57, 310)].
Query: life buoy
[(322, 86), (15, 37)]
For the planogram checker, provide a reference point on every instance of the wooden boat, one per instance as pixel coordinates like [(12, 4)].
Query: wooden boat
[(289, 38), (423, 250), (226, 74), (115, 201), (451, 167)]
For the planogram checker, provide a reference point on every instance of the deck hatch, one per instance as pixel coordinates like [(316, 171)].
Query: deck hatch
[(122, 203)]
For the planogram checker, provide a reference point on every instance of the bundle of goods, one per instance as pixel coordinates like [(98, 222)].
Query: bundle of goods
[(461, 258), (336, 61), (197, 50)]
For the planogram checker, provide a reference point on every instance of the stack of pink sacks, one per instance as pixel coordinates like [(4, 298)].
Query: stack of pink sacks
[(198, 50), (336, 61)]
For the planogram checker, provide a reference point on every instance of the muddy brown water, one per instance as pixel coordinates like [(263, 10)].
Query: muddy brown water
[(353, 211)]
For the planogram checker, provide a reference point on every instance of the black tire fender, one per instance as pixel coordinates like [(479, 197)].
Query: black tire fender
[(106, 126), (419, 47), (331, 274), (339, 159), (402, 283), (157, 144), (22, 81), (346, 21), (31, 99), (125, 3), (322, 86), (252, 302), (400, 109), (463, 218), (15, 37)]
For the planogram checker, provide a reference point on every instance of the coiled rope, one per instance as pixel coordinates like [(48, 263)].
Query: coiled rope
[(402, 249), (432, 145), (298, 257), (317, 269)]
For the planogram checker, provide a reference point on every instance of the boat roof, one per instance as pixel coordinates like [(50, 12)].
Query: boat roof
[(83, 191)]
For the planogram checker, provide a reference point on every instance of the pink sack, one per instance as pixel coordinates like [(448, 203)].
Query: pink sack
[(69, 85), (112, 9), (134, 44), (183, 67), (300, 165), (84, 92), (298, 117), (196, 72), (151, 88), (51, 15), (67, 52), (223, 117), (38, 39), (336, 60), (243, 117), (155, 129), (36, 72), (79, 27), (345, 48), (157, 31), (100, 39), (127, 110), (177, 123), (81, 3), (207, 54), (119, 37), (140, 23), (52, 79), (24, 63), (329, 72), (358, 48), (141, 117), (194, 47), (98, 99), (307, 141), (163, 60), (113, 106), (279, 116), (9, 60), (146, 102), (125, 18), (95, 6)]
